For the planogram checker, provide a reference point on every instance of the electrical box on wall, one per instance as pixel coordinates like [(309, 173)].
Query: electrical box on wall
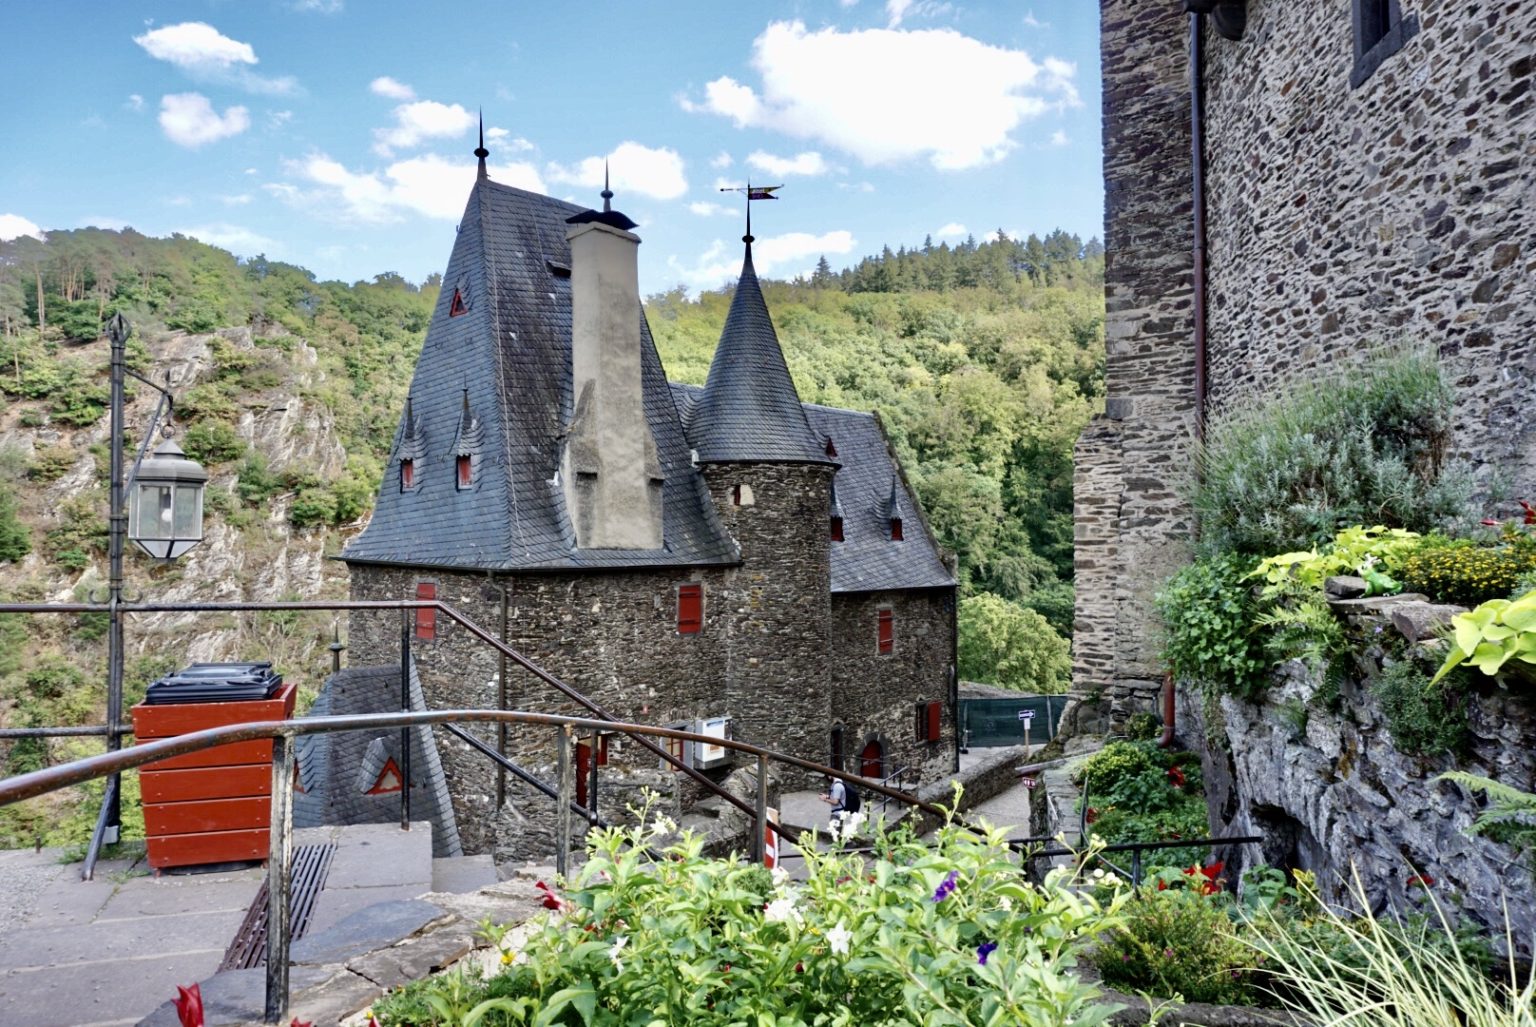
[(705, 754)]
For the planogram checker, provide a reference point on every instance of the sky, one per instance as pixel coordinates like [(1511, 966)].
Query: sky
[(339, 134)]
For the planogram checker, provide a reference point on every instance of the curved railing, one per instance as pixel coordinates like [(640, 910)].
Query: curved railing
[(283, 732)]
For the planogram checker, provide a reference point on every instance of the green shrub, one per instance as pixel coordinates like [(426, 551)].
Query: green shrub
[(52, 463), (15, 537), (1510, 818), (1499, 635), (1208, 614), (212, 442), (1364, 446), (1466, 573), (80, 531), (1177, 942), (312, 507), (652, 933), (255, 483), (1424, 720), (1142, 727)]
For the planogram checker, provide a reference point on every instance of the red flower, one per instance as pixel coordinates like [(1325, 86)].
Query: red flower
[(1489, 522), (1163, 885), (1211, 873), (189, 1005), (301, 1023), (1091, 815), (550, 899), (1530, 512), (1176, 776), (799, 968), (1421, 881)]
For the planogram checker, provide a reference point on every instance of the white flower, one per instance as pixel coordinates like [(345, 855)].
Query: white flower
[(613, 953), (1005, 903), (1098, 874), (838, 938), (666, 825), (780, 876), (782, 910)]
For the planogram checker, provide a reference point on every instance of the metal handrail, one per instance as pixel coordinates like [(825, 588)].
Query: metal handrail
[(282, 734), (522, 774), (895, 779)]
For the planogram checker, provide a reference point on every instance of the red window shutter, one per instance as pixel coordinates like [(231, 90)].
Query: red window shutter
[(407, 473), (690, 609), (887, 633), (896, 535), (426, 619), (935, 713), (466, 471), (837, 529), (457, 307)]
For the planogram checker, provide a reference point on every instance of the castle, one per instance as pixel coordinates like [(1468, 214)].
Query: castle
[(1287, 185), (684, 556)]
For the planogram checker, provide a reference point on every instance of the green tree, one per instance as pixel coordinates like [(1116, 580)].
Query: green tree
[(1008, 645), (15, 537)]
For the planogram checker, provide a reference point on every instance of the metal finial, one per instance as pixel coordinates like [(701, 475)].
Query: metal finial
[(607, 193), (118, 328), (480, 151)]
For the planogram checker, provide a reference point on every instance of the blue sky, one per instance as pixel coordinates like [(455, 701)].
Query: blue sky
[(337, 134)]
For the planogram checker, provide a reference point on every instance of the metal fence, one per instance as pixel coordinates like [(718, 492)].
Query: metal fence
[(988, 722)]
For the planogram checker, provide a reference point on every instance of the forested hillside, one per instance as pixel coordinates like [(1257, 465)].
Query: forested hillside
[(984, 360)]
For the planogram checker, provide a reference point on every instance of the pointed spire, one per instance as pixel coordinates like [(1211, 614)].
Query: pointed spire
[(607, 193), (480, 151)]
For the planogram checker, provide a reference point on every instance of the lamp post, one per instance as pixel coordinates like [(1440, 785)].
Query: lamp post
[(166, 521)]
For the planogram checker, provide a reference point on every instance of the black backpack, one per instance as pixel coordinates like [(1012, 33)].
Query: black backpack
[(851, 801)]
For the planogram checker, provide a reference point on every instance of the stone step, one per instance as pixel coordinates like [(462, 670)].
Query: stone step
[(462, 874)]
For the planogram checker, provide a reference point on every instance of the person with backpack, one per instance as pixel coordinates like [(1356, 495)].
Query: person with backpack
[(844, 799)]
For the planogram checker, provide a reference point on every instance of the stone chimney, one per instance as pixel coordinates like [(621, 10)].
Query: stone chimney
[(609, 470)]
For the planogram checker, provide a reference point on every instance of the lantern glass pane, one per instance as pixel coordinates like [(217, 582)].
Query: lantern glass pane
[(189, 513), (154, 512)]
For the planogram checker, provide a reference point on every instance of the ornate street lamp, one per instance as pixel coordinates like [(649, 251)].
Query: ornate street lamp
[(166, 520)]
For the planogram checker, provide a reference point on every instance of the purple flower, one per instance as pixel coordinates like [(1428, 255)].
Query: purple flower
[(984, 951), (946, 886)]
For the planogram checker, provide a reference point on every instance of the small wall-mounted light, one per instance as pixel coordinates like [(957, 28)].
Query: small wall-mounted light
[(165, 504), (1230, 17)]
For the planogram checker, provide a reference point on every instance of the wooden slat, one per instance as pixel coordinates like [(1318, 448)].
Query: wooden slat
[(181, 850), (205, 783), (181, 718), (166, 819), (233, 754)]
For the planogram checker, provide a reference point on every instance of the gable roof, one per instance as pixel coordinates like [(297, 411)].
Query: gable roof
[(337, 768), (509, 356), (749, 411)]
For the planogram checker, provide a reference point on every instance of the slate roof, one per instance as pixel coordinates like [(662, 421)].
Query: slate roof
[(749, 411), (867, 560), (509, 357), (337, 769)]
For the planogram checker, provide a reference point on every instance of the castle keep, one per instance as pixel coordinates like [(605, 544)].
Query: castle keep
[(677, 554)]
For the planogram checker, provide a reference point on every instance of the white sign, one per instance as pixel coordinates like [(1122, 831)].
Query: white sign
[(1026, 714)]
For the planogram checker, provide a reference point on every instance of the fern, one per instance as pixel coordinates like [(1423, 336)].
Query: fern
[(1511, 815)]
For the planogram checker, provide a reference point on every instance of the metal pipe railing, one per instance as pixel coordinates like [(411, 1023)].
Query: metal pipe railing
[(283, 734), (587, 813)]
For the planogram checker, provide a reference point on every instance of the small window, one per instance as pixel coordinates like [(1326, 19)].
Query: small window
[(929, 721), (407, 474), (831, 448), (1380, 31), (389, 779), (690, 609), (457, 308), (735, 495), (886, 635), (837, 529), (426, 617), (466, 471), (896, 534)]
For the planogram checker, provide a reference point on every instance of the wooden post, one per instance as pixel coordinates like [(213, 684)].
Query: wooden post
[(566, 771), (279, 878)]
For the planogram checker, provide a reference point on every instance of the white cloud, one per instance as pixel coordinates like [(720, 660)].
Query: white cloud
[(189, 120), (240, 241), (709, 209), (897, 10), (424, 119), (808, 163), (429, 185), (237, 200), (953, 230), (204, 52), (634, 168), (721, 160), (1059, 138), (786, 255), (277, 119), (391, 88), (135, 102), (836, 87), (504, 139), (100, 221), (14, 226), (318, 6), (1030, 21)]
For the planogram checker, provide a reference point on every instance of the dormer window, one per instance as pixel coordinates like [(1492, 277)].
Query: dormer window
[(458, 307), (896, 535), (407, 474), (837, 528), (466, 468), (831, 449)]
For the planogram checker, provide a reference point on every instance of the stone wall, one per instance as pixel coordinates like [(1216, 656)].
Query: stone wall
[(874, 697)]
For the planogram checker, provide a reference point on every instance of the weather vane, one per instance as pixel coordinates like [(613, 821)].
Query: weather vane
[(753, 192)]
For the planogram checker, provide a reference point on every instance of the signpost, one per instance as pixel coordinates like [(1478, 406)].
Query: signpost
[(1026, 717)]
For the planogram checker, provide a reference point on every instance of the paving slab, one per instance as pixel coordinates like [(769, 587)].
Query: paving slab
[(236, 996), (381, 854), (29, 947), (336, 904), (157, 896), (368, 929), (81, 992), (463, 873), (416, 957)]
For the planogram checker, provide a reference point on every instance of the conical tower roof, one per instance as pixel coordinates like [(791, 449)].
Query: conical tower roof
[(749, 411)]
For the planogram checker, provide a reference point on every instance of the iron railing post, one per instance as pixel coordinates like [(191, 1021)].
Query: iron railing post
[(406, 616), (1135, 868), (108, 803), (279, 877), (760, 837), (567, 784)]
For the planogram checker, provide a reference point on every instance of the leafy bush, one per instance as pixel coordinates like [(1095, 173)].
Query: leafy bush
[(255, 483), (1499, 633), (1177, 942), (1371, 553), (1006, 644), (81, 530), (1364, 446), (15, 537), (1424, 720), (1140, 792), (952, 935), (1466, 573), (212, 442), (1209, 635), (52, 463), (313, 506)]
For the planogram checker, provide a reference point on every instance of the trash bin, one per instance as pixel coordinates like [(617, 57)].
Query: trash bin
[(212, 806)]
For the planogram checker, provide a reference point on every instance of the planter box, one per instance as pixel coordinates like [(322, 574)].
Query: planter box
[(211, 806)]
